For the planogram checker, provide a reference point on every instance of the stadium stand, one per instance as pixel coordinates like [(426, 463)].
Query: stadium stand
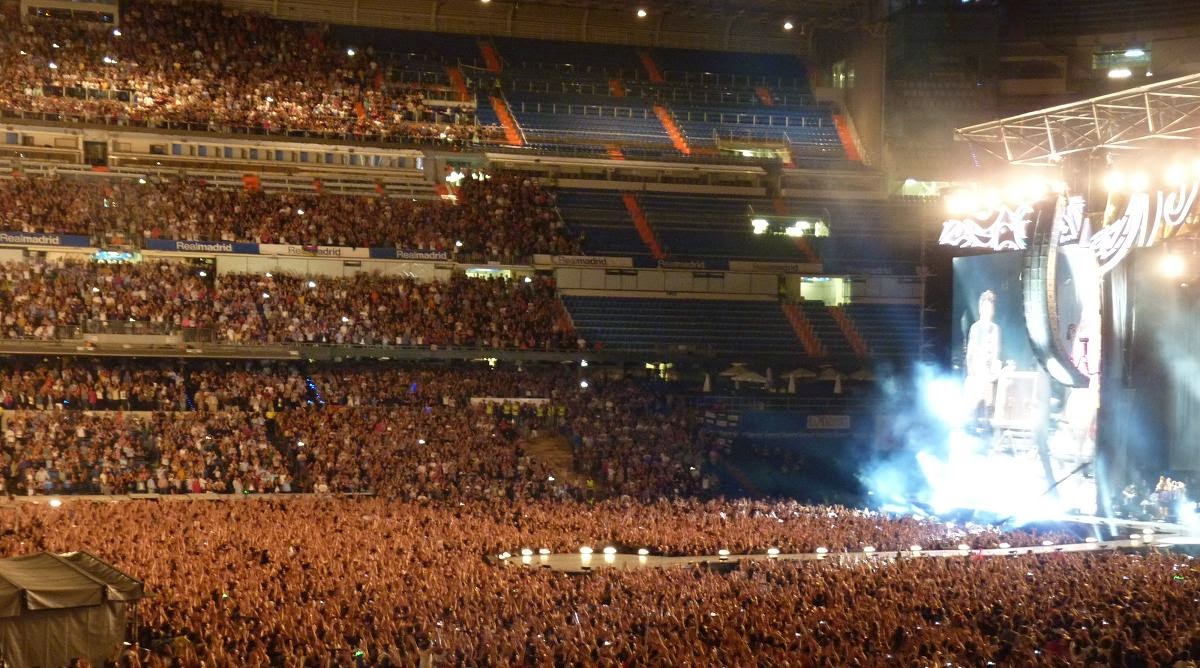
[(892, 331), (600, 219), (652, 324)]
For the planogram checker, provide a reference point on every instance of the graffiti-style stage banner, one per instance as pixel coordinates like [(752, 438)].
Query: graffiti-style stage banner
[(1148, 218)]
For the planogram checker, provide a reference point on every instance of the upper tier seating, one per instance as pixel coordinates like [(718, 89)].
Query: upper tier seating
[(826, 328), (889, 330), (601, 219), (776, 71), (587, 119), (649, 324), (714, 227)]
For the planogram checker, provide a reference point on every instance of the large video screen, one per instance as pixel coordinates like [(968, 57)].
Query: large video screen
[(1030, 438)]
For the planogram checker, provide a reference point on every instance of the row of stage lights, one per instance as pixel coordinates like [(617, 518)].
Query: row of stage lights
[(970, 200), (610, 552), (1176, 174)]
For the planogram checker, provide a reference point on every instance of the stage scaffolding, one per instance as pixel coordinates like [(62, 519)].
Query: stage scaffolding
[(1167, 110)]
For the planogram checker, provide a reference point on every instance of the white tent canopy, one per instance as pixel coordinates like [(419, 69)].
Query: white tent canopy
[(54, 608)]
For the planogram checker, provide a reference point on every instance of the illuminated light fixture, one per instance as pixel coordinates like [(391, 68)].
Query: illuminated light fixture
[(54, 503), (760, 225), (107, 60), (55, 45), (504, 556), (910, 181), (822, 550), (350, 52), (1135, 536), (723, 554), (1047, 543), (914, 548), (420, 441), (642, 552), (528, 279), (345, 319), (485, 1), (116, 32), (1175, 175), (458, 244), (203, 274), (795, 231), (583, 384), (1149, 531), (1004, 546), (583, 363), (53, 66), (964, 201), (772, 552), (312, 284), (1149, 73), (641, 13), (585, 550), (787, 25), (610, 550), (1140, 182), (964, 547), (1091, 539), (526, 552), (268, 274), (299, 212), (870, 549), (544, 551), (266, 295), (1114, 181), (1134, 53), (549, 478), (1119, 73)]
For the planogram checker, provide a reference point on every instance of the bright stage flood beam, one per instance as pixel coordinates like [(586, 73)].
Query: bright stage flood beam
[(1173, 266)]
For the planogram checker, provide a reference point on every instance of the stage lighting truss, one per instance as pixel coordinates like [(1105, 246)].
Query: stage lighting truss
[(1165, 110)]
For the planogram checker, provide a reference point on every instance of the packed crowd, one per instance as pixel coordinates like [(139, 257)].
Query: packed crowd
[(218, 68), (504, 217), (413, 432), (47, 300), (323, 581)]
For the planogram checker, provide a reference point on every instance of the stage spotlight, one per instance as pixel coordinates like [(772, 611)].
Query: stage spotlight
[(1172, 266), (1114, 181), (1175, 175), (772, 552), (1140, 182), (585, 550)]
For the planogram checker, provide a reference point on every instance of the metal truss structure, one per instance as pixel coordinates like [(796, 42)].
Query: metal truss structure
[(1164, 110)]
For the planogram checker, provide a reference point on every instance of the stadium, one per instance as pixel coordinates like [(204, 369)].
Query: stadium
[(562, 332)]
